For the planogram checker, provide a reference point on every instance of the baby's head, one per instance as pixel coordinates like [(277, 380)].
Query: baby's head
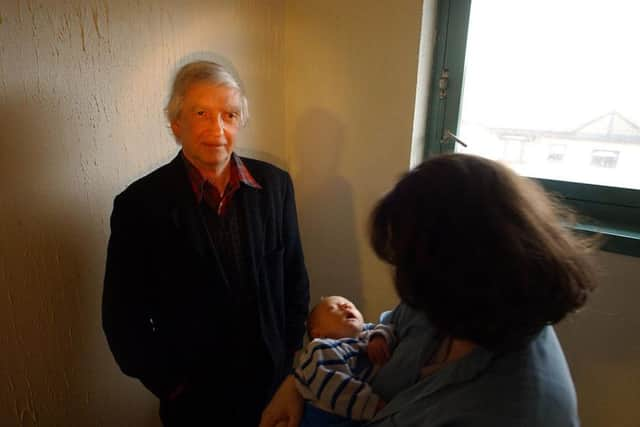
[(334, 317)]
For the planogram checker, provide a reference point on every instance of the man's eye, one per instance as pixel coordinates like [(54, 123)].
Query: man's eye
[(201, 113)]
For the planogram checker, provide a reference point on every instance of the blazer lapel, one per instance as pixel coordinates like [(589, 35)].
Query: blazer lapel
[(255, 220), (185, 213), (190, 222)]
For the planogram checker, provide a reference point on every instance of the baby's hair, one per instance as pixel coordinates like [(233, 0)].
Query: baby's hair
[(485, 253), (311, 318)]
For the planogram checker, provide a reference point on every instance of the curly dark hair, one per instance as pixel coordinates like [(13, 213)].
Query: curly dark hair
[(485, 253)]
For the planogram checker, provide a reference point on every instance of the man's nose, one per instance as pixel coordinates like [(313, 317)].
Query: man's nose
[(217, 124)]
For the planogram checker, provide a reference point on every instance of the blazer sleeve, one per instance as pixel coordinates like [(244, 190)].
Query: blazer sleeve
[(296, 284), (127, 319)]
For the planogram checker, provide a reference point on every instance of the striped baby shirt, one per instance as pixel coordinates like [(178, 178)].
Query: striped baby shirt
[(333, 374)]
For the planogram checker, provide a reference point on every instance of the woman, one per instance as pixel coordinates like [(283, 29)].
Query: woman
[(484, 267)]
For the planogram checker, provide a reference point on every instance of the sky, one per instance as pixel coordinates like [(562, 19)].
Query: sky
[(551, 65)]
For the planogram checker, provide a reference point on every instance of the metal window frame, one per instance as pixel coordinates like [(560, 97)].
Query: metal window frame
[(609, 211)]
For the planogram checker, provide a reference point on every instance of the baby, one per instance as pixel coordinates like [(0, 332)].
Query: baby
[(336, 366)]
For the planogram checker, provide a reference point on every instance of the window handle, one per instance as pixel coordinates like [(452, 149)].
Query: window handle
[(448, 135)]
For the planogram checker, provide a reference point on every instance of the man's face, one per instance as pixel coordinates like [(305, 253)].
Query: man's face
[(207, 125), (336, 317)]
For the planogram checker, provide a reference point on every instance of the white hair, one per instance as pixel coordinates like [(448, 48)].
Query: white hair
[(203, 71)]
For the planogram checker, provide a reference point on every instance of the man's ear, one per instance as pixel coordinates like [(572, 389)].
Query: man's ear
[(175, 127)]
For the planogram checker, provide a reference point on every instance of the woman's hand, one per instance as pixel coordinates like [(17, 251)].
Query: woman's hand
[(285, 408)]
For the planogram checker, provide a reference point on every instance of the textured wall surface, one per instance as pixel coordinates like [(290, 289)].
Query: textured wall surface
[(351, 70), (82, 88)]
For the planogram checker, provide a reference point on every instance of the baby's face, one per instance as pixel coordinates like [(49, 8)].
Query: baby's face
[(336, 317)]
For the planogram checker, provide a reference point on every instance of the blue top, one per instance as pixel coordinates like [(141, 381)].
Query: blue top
[(531, 387)]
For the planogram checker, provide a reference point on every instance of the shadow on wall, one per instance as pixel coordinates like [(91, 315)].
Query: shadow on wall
[(261, 155), (326, 208), (52, 365)]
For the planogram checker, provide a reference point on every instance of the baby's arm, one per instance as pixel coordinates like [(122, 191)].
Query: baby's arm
[(324, 377), (381, 340)]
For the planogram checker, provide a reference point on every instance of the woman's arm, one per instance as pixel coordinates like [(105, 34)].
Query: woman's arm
[(286, 406)]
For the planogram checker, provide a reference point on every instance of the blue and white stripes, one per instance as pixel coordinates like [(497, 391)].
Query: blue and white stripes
[(333, 375)]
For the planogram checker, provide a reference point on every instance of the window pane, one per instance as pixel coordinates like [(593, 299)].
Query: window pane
[(552, 88)]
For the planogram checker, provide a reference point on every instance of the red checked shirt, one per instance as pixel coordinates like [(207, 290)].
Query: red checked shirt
[(203, 189)]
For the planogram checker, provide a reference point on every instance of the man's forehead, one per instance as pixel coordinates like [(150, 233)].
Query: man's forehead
[(224, 93)]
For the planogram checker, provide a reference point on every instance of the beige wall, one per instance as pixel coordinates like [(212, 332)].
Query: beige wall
[(82, 86), (602, 345), (351, 71)]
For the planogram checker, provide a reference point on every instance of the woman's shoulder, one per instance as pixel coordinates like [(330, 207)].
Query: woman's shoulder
[(529, 387), (406, 319)]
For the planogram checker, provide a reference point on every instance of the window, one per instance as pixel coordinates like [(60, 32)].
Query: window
[(604, 158), (556, 153), (550, 89)]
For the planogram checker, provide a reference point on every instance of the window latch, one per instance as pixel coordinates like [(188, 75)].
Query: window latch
[(443, 83), (448, 135)]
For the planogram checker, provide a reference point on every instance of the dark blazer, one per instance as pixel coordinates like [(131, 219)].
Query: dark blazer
[(165, 302)]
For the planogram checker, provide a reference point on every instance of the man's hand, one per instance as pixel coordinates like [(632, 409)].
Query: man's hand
[(378, 350)]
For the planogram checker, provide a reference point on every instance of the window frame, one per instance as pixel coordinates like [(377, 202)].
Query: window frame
[(611, 212)]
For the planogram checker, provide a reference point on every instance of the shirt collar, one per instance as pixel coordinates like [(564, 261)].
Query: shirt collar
[(239, 174), (243, 173)]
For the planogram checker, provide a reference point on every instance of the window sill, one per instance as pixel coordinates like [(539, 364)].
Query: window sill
[(617, 240), (613, 213)]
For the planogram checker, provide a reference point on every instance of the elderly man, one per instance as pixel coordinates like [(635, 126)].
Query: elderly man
[(206, 291)]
